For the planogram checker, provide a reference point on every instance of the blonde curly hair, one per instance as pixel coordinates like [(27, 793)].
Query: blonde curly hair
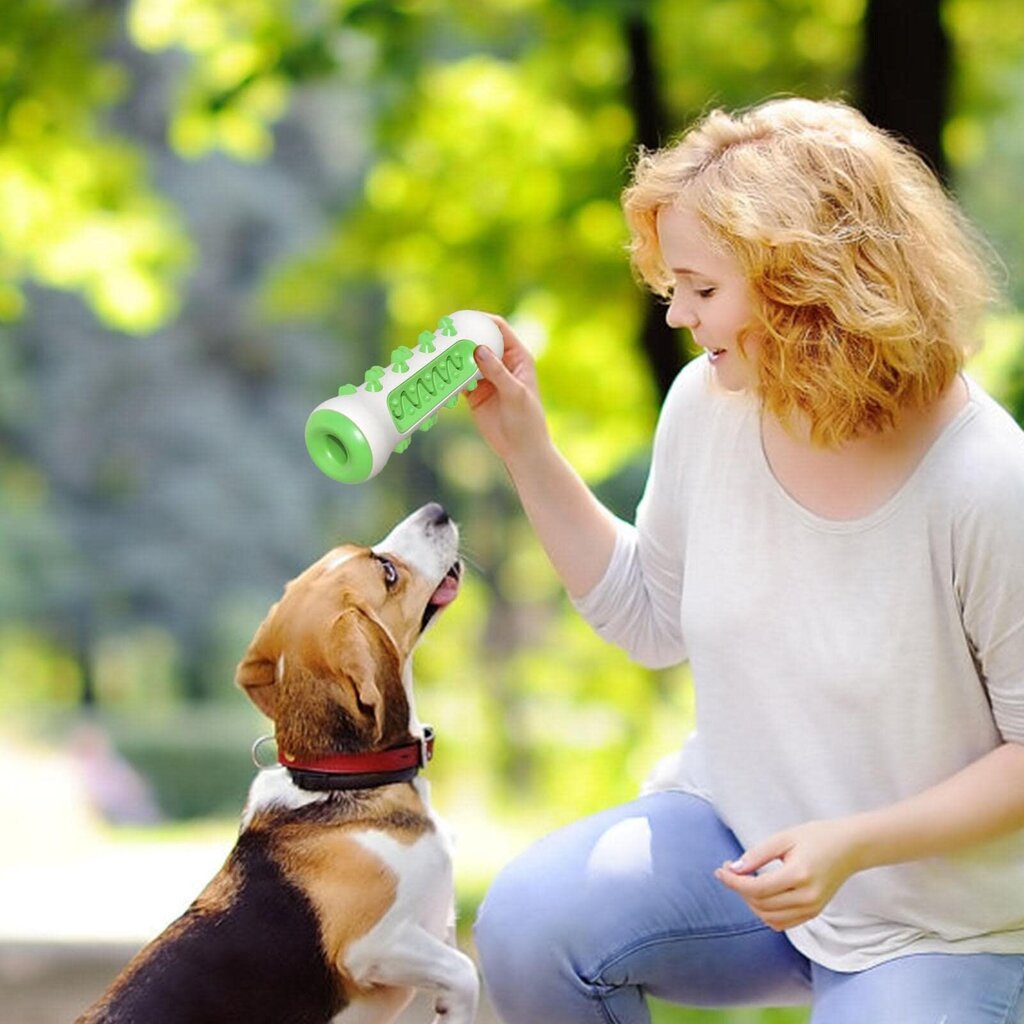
[(868, 279)]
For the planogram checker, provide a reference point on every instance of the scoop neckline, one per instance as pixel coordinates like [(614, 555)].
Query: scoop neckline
[(893, 502)]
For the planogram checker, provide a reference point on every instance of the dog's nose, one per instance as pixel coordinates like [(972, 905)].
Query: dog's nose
[(437, 515)]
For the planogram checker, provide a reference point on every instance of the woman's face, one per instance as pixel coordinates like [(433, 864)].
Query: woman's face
[(710, 297)]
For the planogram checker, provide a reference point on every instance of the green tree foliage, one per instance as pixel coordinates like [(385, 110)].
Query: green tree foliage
[(245, 59), (77, 210)]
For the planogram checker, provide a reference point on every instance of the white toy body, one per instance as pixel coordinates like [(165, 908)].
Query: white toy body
[(351, 437)]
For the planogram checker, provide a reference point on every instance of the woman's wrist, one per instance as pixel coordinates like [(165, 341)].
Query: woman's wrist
[(864, 841), (527, 460)]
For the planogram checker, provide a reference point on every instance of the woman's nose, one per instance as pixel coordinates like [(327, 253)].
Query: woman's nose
[(681, 313)]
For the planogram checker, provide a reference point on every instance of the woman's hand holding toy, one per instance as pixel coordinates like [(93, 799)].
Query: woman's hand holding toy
[(506, 405)]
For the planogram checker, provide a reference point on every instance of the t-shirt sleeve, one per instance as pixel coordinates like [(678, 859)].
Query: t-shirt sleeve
[(990, 582), (636, 605)]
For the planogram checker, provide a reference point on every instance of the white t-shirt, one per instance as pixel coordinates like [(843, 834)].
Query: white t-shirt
[(838, 666)]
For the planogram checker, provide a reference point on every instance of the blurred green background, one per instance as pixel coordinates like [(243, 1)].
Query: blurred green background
[(214, 212)]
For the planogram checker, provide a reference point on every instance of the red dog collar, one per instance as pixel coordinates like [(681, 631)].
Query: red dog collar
[(394, 759), (357, 771)]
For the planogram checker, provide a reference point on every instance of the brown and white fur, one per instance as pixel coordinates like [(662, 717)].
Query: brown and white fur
[(332, 905)]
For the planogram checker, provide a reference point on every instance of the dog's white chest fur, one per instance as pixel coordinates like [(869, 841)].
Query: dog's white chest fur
[(423, 870), (407, 947)]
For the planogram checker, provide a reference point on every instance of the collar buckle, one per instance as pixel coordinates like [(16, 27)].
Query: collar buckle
[(426, 744)]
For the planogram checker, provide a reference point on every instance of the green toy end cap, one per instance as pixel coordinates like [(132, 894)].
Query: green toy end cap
[(338, 447)]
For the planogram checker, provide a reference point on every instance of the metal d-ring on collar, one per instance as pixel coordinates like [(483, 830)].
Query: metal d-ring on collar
[(257, 747)]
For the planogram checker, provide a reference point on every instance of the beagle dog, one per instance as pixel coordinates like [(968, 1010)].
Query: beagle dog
[(336, 903)]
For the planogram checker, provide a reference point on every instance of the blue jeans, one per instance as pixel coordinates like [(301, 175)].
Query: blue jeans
[(623, 904)]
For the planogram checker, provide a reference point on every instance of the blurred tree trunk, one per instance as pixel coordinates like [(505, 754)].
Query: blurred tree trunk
[(662, 348), (905, 73)]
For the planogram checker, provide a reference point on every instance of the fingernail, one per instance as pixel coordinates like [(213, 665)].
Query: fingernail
[(483, 353), (737, 865)]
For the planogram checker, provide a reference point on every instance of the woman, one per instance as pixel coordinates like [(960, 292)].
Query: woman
[(833, 535)]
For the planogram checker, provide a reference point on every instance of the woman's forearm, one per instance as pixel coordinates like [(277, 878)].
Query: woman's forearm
[(576, 531), (982, 802)]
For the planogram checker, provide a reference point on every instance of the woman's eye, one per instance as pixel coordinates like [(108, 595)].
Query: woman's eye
[(705, 293)]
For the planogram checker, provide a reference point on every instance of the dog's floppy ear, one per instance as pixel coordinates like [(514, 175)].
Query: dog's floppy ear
[(256, 674), (364, 653)]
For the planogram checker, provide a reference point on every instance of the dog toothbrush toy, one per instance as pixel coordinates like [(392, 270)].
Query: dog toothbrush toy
[(351, 437)]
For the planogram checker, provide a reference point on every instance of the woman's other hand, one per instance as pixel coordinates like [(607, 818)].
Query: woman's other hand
[(816, 858)]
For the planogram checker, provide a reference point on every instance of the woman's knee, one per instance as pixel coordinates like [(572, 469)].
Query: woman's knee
[(507, 929), (519, 950), (551, 916), (571, 899), (581, 888)]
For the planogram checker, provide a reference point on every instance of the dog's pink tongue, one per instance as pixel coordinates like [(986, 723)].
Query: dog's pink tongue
[(446, 592)]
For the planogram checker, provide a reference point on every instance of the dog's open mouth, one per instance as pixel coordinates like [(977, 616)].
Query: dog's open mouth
[(446, 592)]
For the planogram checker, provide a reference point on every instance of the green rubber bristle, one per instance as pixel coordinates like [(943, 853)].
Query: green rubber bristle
[(400, 359)]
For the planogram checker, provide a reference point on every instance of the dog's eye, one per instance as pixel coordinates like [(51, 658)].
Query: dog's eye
[(389, 570)]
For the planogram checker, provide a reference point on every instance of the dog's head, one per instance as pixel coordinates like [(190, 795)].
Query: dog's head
[(327, 664)]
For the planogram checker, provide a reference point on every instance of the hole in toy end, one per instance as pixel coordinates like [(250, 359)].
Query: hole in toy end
[(336, 450)]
